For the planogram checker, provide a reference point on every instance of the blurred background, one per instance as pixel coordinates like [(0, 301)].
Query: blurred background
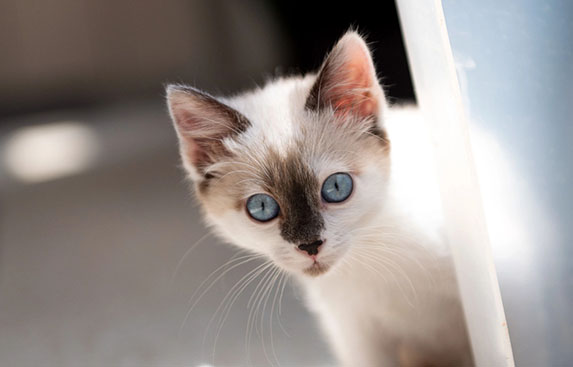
[(96, 219), (102, 249)]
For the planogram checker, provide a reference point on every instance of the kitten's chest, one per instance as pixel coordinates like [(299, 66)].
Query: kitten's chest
[(364, 292), (392, 298)]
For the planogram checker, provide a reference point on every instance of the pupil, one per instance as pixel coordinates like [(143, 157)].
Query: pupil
[(263, 205), (336, 186)]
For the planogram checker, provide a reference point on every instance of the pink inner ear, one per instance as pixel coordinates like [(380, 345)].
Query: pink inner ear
[(355, 97), (354, 81), (195, 154), (201, 133), (186, 124), (202, 123)]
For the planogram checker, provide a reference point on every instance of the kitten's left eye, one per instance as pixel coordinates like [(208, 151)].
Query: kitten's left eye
[(337, 187), (262, 207)]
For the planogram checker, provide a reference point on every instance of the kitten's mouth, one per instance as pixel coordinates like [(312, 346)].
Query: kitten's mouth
[(316, 269)]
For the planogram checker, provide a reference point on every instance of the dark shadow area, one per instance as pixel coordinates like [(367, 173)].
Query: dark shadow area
[(312, 29), (87, 54)]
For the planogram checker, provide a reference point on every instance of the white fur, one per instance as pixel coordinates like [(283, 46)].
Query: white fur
[(391, 293), (404, 301), (271, 110)]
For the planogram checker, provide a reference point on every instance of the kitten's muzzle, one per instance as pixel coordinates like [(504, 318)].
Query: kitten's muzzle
[(311, 248)]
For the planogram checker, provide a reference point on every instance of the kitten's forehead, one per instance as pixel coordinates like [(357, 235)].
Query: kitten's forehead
[(316, 147), (276, 112)]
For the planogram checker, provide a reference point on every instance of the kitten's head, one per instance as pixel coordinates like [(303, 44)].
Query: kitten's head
[(296, 170)]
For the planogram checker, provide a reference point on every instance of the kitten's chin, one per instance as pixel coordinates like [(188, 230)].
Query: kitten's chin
[(316, 269)]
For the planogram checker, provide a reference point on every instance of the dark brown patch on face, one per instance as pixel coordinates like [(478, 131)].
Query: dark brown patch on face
[(379, 133), (292, 182), (203, 185), (205, 182)]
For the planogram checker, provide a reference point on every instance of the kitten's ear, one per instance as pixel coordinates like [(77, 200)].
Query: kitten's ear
[(202, 123), (347, 80)]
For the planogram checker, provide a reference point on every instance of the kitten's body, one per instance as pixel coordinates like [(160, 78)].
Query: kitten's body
[(383, 284), (375, 307), (397, 303)]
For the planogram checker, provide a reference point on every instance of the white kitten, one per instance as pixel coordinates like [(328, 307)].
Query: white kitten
[(337, 188)]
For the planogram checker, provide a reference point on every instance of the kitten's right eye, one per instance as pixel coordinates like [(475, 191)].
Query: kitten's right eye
[(262, 207)]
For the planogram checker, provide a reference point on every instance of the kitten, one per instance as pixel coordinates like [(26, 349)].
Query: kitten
[(322, 176)]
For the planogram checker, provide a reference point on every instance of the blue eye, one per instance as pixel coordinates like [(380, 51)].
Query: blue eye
[(337, 188), (262, 207)]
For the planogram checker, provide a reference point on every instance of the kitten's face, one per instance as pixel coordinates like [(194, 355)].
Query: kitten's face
[(294, 176), (299, 183)]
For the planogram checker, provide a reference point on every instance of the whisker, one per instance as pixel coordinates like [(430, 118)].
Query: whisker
[(257, 293), (270, 288), (385, 261), (231, 297), (189, 250), (284, 283), (249, 258)]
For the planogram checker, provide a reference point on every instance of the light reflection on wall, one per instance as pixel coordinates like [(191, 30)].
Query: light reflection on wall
[(45, 152), (515, 65)]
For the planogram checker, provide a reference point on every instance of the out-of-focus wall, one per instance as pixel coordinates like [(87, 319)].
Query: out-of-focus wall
[(61, 52)]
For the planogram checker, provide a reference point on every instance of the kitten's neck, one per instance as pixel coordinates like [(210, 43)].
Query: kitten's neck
[(395, 251)]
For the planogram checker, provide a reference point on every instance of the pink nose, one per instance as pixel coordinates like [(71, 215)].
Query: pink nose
[(311, 248)]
